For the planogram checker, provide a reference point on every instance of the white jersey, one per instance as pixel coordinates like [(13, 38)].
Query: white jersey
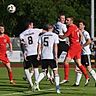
[(62, 29), (86, 50), (47, 40), (30, 40)]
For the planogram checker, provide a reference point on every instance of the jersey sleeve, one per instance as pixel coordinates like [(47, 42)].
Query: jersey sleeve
[(21, 39), (68, 32), (63, 29), (86, 35), (39, 30), (8, 39), (56, 39), (39, 40)]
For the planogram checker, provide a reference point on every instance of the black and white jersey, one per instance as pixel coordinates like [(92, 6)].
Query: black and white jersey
[(47, 40), (62, 28), (30, 39), (86, 50)]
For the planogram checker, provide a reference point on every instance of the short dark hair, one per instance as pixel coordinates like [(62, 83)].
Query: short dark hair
[(47, 27), (1, 24), (27, 23), (71, 17), (82, 21), (60, 15)]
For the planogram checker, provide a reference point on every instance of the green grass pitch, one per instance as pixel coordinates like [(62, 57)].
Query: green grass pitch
[(47, 89)]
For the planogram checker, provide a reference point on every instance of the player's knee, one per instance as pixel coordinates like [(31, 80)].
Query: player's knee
[(56, 75), (77, 70), (89, 68)]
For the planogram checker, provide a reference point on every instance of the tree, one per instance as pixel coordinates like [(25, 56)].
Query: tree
[(42, 12)]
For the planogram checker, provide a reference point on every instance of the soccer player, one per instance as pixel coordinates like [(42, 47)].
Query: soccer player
[(74, 51), (4, 40), (29, 43), (85, 56), (60, 28), (47, 52)]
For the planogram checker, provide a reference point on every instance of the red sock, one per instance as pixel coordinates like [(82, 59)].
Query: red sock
[(83, 69), (66, 71), (10, 75)]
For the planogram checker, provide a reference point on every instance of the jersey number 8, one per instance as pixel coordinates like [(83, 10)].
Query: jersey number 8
[(30, 40)]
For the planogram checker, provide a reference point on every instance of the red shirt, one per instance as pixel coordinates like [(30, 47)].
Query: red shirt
[(73, 34), (3, 43)]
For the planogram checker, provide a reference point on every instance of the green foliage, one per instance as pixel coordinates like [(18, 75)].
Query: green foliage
[(41, 12)]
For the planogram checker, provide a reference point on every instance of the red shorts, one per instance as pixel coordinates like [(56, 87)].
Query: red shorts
[(74, 52), (4, 58)]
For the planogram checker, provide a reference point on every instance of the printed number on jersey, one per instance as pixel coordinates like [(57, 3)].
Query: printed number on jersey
[(46, 41), (30, 40)]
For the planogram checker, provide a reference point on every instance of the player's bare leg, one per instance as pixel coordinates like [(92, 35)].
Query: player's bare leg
[(50, 76), (10, 74), (92, 73), (66, 70), (83, 70)]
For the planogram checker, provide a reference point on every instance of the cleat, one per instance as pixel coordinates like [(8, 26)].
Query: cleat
[(75, 85), (58, 89), (64, 81), (95, 84), (36, 86), (12, 82), (87, 81)]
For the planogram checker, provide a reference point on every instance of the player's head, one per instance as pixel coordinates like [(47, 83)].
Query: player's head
[(28, 24), (69, 21), (82, 24), (2, 29), (48, 27), (61, 18)]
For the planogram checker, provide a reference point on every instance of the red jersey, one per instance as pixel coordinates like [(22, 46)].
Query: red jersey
[(73, 34), (3, 42), (75, 47)]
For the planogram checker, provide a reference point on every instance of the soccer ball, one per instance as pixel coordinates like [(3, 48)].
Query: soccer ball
[(11, 8)]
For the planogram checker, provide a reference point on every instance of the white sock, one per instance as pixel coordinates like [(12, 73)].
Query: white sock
[(28, 77), (41, 76), (78, 77), (36, 73), (93, 73), (48, 74), (31, 73), (57, 80)]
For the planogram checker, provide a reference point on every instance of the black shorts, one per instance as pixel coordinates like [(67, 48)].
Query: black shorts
[(32, 60), (62, 46), (86, 60), (48, 62)]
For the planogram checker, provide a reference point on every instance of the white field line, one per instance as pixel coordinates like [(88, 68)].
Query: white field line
[(28, 92)]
